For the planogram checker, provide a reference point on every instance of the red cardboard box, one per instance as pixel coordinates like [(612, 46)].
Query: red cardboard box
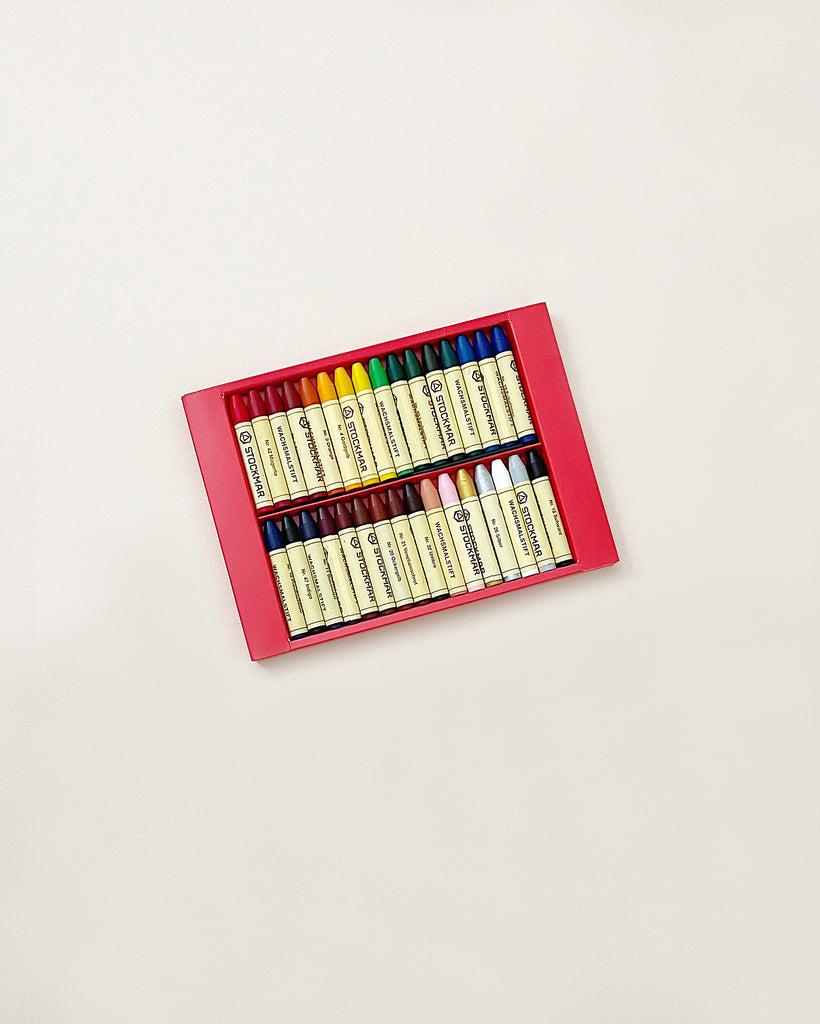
[(560, 442)]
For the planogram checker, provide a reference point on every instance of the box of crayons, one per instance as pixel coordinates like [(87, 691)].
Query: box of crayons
[(397, 480)]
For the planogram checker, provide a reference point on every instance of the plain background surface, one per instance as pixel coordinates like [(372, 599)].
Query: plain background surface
[(589, 801)]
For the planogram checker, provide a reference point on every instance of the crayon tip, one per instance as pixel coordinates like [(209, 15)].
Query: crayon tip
[(327, 528), (501, 477), (412, 500), (499, 340), (394, 504), (448, 355), (307, 392), (464, 350), (324, 387), (483, 348), (361, 517), (429, 358), (412, 366), (290, 396), (256, 407), (342, 516), (307, 527), (447, 490), (536, 465), (272, 399), (361, 382), (239, 411), (395, 371), (465, 485), (342, 382), (377, 509), (483, 480), (429, 496), (378, 378), (289, 529), (273, 538), (518, 473)]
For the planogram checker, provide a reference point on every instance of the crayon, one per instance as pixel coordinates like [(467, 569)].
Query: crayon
[(331, 473), (304, 440), (319, 571), (545, 497), (391, 422), (512, 514), (288, 456), (391, 553), (266, 447), (285, 583), (337, 566), (251, 459), (338, 432), (308, 598), (461, 533), (411, 558), (440, 397), (425, 543), (474, 517), (507, 434), (366, 534), (496, 524), (445, 548), (408, 414), (356, 430), (531, 514), (356, 565), (373, 423), (477, 395), (460, 401), (512, 386), (428, 421)]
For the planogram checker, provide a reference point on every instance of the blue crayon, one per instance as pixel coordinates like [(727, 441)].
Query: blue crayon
[(512, 387), (477, 393), (507, 434), (285, 581), (320, 572), (305, 585)]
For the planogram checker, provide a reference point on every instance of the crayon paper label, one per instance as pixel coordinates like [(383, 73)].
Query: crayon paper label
[(353, 554), (352, 415), (331, 475), (252, 462), (288, 458), (395, 566), (552, 519), (375, 435), (322, 583), (514, 393), (306, 447), (427, 419), (410, 422), (534, 525), (498, 403), (440, 397), (459, 522), (480, 404), (286, 587), (499, 534), (399, 451), (375, 564), (518, 532), (304, 586), (341, 444), (341, 578), (488, 563), (446, 551), (266, 446), (460, 402), (423, 534)]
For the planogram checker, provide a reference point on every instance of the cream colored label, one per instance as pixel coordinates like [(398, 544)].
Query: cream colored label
[(341, 444), (518, 532), (322, 583), (409, 417), (341, 578), (480, 404), (499, 534), (395, 567), (488, 563), (353, 554), (378, 570), (463, 544), (266, 445), (420, 525), (360, 446), (252, 462), (288, 457), (427, 420), (552, 520), (534, 525), (396, 442), (288, 597), (498, 403), (306, 448), (440, 397), (410, 557), (463, 411), (514, 393), (375, 435), (446, 552), (324, 446), (305, 586)]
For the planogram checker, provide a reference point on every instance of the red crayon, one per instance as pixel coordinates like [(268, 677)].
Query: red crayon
[(263, 432), (304, 440), (390, 552), (354, 557), (251, 458)]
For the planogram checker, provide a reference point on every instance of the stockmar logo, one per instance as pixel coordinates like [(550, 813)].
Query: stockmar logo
[(347, 412), (303, 422), (245, 437), (436, 386), (461, 516), (522, 497)]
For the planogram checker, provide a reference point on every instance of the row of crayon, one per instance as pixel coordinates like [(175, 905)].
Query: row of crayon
[(392, 551), (374, 425)]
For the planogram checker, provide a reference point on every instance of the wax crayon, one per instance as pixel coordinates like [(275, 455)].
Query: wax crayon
[(411, 558), (408, 414), (337, 566), (474, 517), (512, 386), (477, 394), (356, 430), (304, 440), (314, 619), (445, 547), (338, 432), (425, 543), (288, 456), (391, 422), (460, 400), (388, 545), (496, 524), (373, 423), (366, 534), (531, 514), (507, 434), (512, 514), (319, 571), (285, 583), (331, 473), (463, 541), (537, 470), (251, 458), (428, 421), (266, 446), (357, 566), (440, 397)]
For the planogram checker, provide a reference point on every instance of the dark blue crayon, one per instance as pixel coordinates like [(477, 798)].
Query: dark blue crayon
[(305, 585), (511, 383), (477, 393), (507, 434), (317, 563), (285, 580)]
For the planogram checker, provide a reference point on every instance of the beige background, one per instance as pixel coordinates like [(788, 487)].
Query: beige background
[(595, 800)]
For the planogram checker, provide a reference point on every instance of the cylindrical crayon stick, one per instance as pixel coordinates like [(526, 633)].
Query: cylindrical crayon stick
[(322, 580), (442, 406), (366, 534), (389, 548), (338, 432), (425, 543), (304, 439), (314, 619), (507, 434), (512, 386), (373, 422), (496, 525), (356, 430), (477, 393), (331, 473), (408, 413), (537, 470), (462, 535), (531, 514), (420, 393), (266, 446), (386, 404), (337, 566), (443, 539), (413, 567), (285, 583), (357, 566), (474, 517), (460, 400), (251, 459), (512, 514), (288, 456)]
